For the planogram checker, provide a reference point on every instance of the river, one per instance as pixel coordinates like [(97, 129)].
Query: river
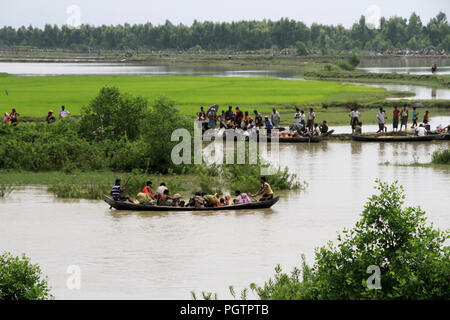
[(58, 68), (131, 255)]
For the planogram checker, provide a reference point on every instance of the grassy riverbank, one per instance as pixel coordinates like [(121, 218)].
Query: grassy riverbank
[(34, 96)]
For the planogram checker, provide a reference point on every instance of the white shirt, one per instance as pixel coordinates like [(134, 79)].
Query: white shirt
[(161, 189), (420, 131), (381, 116), (311, 115), (64, 113), (298, 117), (356, 114)]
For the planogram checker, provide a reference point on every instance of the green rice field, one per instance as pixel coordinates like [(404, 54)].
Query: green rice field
[(34, 96)]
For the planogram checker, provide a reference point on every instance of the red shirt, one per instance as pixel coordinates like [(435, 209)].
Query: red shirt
[(239, 115), (148, 190), (396, 113)]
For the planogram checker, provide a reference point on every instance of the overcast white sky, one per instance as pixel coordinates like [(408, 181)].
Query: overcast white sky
[(39, 12)]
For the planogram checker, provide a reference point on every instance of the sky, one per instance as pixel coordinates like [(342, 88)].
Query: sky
[(111, 12)]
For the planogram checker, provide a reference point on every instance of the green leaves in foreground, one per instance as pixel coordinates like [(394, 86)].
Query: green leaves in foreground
[(22, 280), (411, 255)]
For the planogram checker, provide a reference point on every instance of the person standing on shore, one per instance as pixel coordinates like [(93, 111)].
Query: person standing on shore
[(13, 117), (395, 119), (63, 113), (404, 118), (275, 118)]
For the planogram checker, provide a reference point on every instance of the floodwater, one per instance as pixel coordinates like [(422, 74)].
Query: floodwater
[(130, 255), (55, 69), (405, 64)]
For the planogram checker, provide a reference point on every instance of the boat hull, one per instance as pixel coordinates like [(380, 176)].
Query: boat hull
[(123, 205), (392, 138)]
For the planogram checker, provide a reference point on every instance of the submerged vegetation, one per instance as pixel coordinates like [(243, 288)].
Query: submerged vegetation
[(441, 156)]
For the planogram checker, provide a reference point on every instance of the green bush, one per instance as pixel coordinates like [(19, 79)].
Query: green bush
[(22, 280), (412, 257)]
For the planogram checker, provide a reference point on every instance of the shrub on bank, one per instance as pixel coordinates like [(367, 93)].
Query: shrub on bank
[(22, 280), (412, 258)]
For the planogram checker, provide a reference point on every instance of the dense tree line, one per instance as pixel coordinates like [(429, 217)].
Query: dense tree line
[(392, 33)]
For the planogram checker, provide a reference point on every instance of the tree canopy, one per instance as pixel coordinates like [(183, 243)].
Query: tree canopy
[(393, 33)]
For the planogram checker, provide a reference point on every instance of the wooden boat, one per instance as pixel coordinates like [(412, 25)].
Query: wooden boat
[(123, 205), (392, 138)]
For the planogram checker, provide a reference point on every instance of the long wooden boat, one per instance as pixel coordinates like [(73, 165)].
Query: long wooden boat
[(392, 138), (123, 205)]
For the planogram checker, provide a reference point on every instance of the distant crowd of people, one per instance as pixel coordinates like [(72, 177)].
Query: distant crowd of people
[(303, 124), (12, 118), (399, 116)]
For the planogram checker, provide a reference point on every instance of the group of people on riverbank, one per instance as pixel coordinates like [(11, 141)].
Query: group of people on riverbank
[(303, 124), (399, 117), (162, 197), (12, 118)]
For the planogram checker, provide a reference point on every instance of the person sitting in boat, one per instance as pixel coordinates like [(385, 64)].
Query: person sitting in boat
[(265, 190), (323, 127), (228, 200), (316, 130), (144, 198), (258, 118), (358, 128), (191, 202), (176, 200), (199, 202), (421, 131), (164, 199), (116, 192), (161, 188), (241, 197), (212, 200), (148, 190), (221, 202)]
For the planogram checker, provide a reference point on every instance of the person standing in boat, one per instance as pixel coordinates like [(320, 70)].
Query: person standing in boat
[(212, 116), (275, 117), (415, 116), (396, 113), (265, 190), (239, 116), (258, 119), (404, 117), (268, 125), (116, 192), (311, 117), (297, 116), (381, 116)]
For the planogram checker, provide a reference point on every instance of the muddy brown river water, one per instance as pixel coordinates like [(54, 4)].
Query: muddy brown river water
[(133, 255)]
